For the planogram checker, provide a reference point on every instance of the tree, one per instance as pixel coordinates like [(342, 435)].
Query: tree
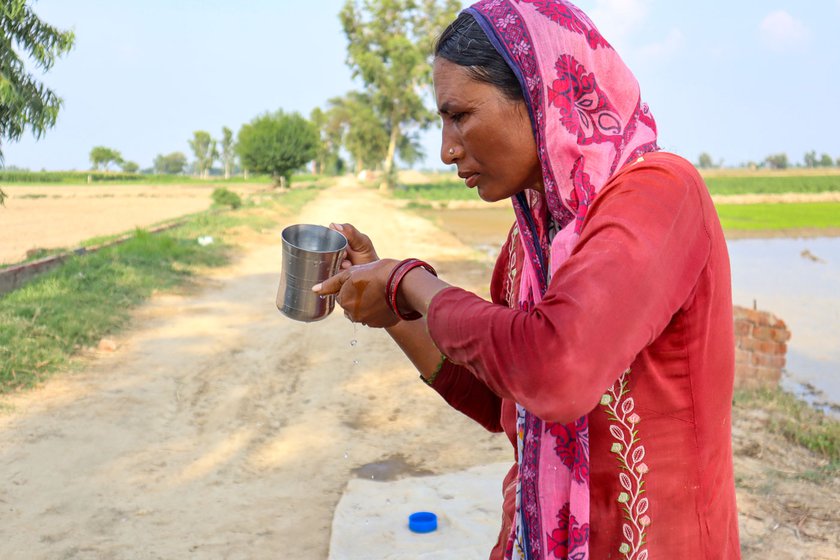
[(172, 164), (24, 101), (777, 161), (129, 167), (100, 155), (330, 131), (705, 161), (362, 130), (277, 144), (826, 161), (810, 159), (228, 150), (204, 148), (390, 49)]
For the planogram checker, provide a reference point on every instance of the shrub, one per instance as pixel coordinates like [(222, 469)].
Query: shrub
[(224, 197)]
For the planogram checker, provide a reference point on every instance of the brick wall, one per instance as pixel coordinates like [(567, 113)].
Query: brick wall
[(760, 348)]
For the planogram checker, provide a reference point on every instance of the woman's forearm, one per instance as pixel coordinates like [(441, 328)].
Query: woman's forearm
[(413, 338)]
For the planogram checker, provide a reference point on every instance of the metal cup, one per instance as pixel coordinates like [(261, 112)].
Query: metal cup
[(311, 254)]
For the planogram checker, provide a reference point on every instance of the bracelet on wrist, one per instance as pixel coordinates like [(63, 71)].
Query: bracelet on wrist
[(431, 379), (393, 285)]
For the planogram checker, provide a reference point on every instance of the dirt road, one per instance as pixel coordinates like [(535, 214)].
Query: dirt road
[(219, 429)]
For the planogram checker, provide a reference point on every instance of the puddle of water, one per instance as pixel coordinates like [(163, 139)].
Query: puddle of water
[(390, 468)]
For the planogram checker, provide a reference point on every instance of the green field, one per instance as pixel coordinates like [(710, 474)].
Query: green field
[(53, 317), (719, 183), (772, 184), (734, 217), (801, 215)]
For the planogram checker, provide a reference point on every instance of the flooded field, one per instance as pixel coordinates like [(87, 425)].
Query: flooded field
[(796, 279)]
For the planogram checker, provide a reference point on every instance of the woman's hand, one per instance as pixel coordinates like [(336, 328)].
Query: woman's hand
[(359, 246), (360, 292)]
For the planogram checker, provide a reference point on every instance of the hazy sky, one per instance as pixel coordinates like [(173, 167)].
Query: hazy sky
[(740, 79)]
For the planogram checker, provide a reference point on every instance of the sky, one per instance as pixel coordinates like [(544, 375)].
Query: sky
[(738, 79)]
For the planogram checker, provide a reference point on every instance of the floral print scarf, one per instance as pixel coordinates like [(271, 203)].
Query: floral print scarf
[(588, 121)]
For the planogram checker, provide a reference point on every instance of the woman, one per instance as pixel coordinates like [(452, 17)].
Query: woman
[(606, 355)]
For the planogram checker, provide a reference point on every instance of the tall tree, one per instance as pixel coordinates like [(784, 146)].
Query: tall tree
[(330, 131), (777, 161), (810, 159), (826, 161), (103, 156), (24, 101), (705, 161), (390, 48), (362, 130), (277, 144), (228, 152), (130, 166), (204, 149), (171, 164)]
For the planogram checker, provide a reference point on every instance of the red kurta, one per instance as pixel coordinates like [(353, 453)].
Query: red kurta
[(647, 287)]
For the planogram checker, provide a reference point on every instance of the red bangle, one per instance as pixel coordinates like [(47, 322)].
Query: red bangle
[(393, 285)]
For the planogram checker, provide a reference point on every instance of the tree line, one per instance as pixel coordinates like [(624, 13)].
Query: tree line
[(775, 161), (389, 52)]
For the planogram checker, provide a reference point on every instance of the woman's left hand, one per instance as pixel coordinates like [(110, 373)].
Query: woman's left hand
[(360, 292)]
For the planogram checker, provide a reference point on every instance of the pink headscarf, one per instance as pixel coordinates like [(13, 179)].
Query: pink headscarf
[(588, 121)]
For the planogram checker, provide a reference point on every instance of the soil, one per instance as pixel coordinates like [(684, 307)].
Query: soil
[(51, 217), (219, 429)]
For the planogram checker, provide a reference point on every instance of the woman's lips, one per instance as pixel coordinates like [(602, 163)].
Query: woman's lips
[(472, 180)]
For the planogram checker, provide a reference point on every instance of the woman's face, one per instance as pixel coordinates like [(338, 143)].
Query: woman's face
[(488, 136)]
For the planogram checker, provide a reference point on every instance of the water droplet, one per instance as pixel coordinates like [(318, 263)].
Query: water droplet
[(354, 342), (346, 455), (355, 362), (371, 477)]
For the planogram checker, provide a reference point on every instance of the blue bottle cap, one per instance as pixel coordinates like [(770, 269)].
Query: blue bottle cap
[(422, 522)]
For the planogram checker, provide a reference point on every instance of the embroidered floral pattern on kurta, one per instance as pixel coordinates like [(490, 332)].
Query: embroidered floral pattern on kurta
[(620, 407)]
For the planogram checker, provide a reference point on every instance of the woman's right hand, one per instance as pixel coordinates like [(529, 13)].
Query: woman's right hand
[(359, 246)]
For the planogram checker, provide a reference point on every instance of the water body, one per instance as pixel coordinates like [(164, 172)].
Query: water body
[(798, 280)]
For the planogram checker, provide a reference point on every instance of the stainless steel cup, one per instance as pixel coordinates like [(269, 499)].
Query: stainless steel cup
[(311, 254)]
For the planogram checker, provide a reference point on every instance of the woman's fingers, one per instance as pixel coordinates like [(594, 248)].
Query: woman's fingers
[(360, 246), (332, 285)]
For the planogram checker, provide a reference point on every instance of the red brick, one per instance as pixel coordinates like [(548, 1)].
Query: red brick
[(768, 360), (747, 383), (781, 335), (763, 346), (743, 328), (752, 315), (770, 376), (744, 371), (769, 333), (743, 356)]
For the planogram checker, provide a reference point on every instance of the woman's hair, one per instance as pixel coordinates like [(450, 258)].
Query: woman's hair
[(464, 43)]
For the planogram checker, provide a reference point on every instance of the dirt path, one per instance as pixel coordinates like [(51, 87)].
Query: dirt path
[(219, 429)]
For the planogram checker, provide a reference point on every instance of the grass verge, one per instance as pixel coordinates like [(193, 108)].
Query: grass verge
[(779, 216), (798, 422), (45, 323)]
